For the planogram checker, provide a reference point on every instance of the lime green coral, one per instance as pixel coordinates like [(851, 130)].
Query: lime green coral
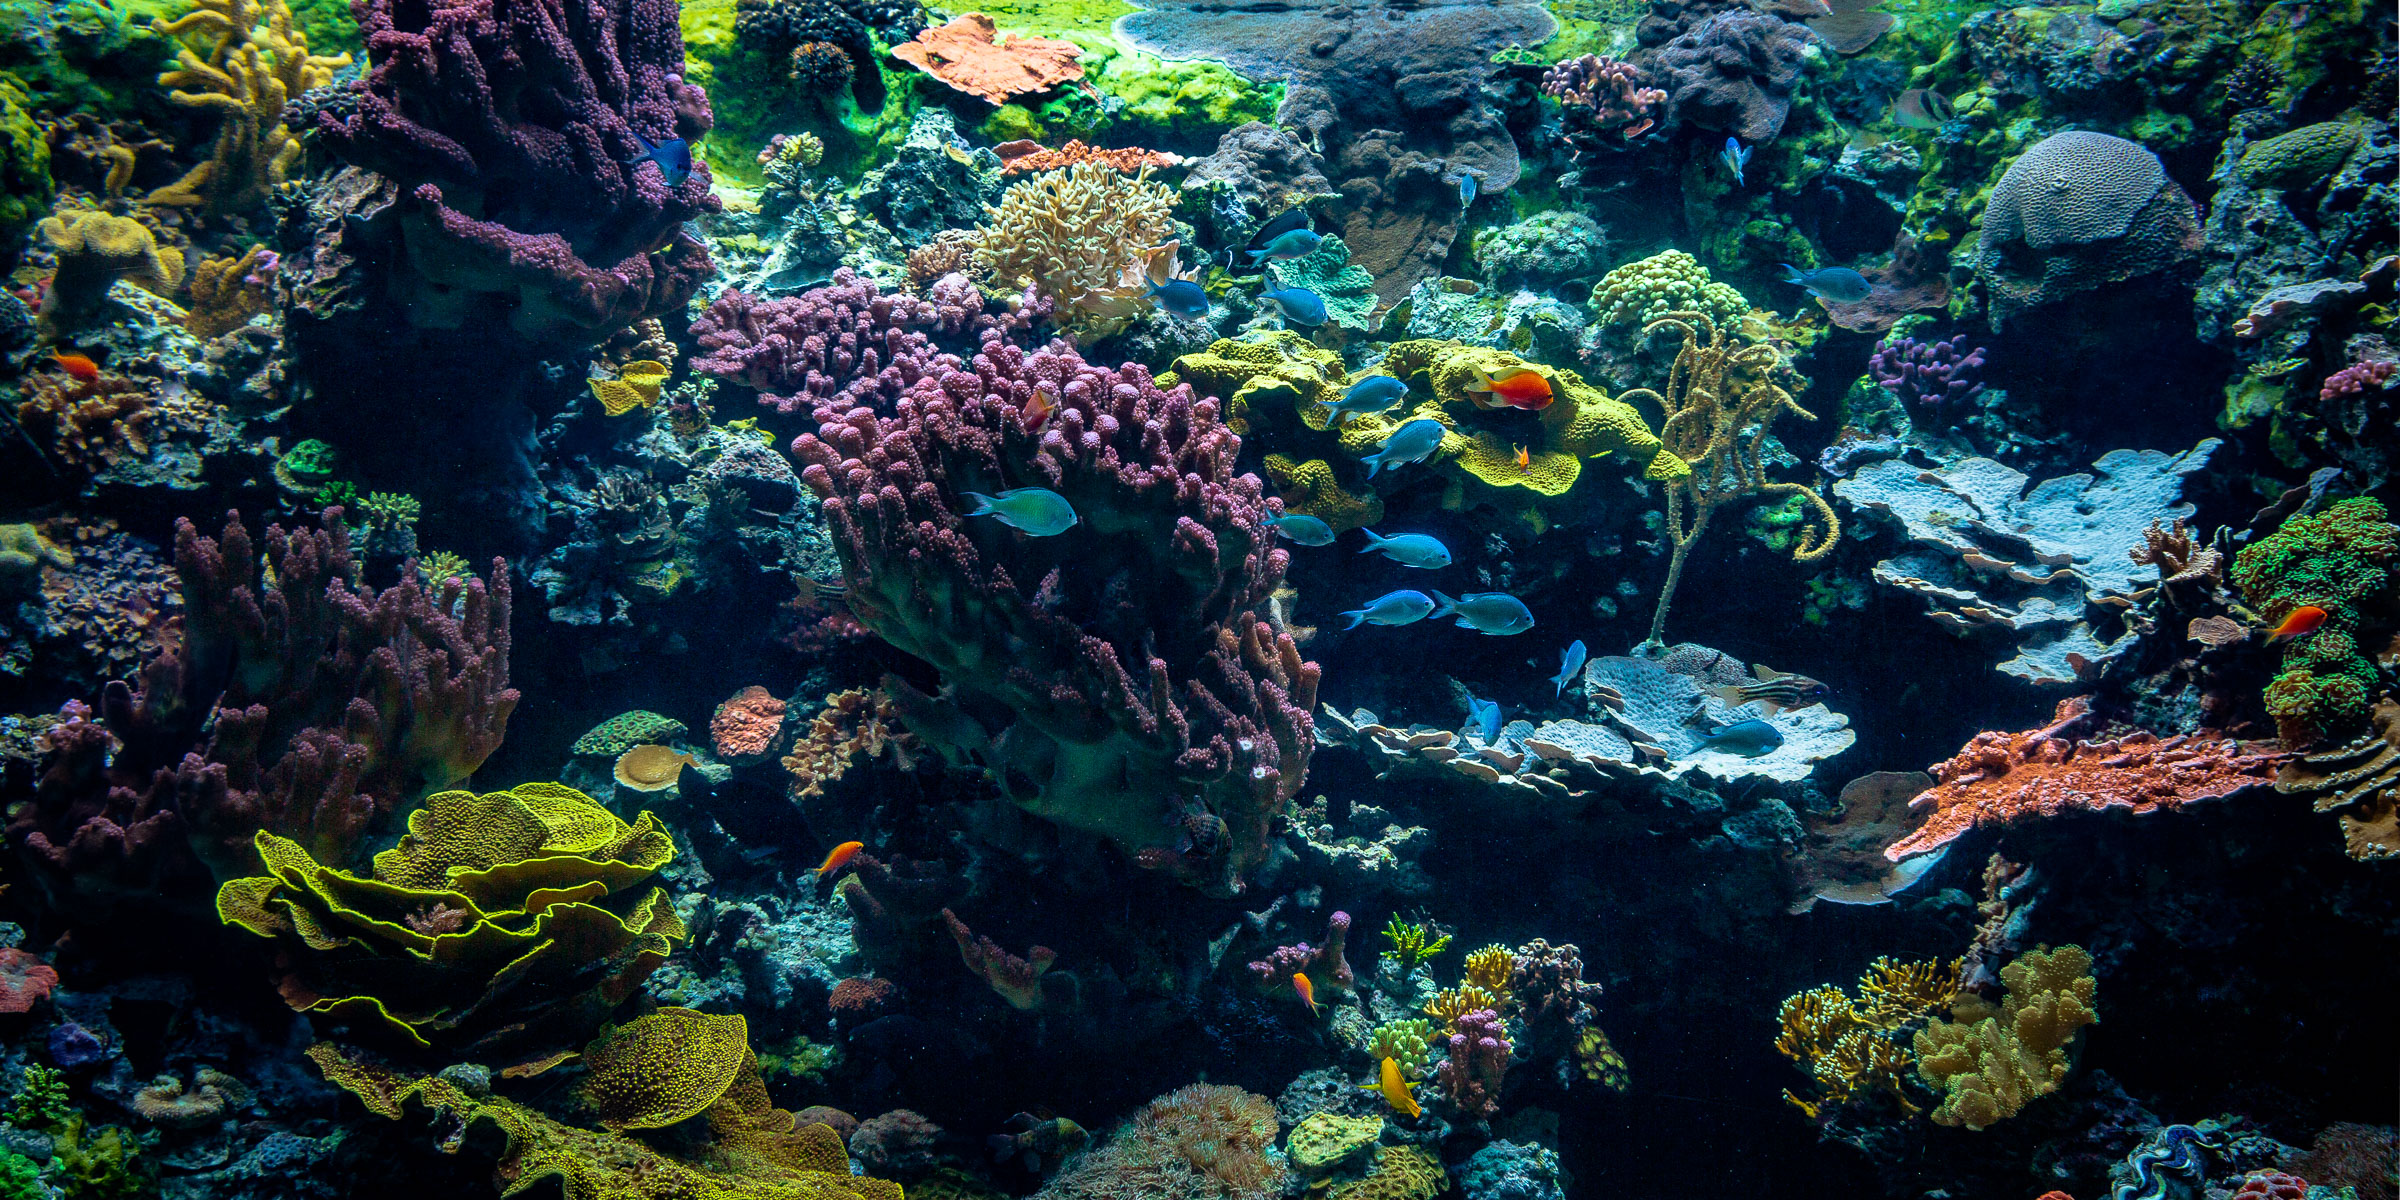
[(1323, 1142), (1408, 1042), (1990, 1062), (2340, 561), (41, 1102), (664, 1067), (24, 163), (1414, 943), (1638, 293)]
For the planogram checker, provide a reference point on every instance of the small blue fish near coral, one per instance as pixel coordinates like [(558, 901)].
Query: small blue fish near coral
[(1181, 297), (1570, 661), (1496, 613), (1403, 607), (1483, 720), (1374, 394), (1303, 528), (673, 156), (1468, 186), (1412, 442), (1735, 156), (1038, 511), (1290, 244), (1410, 549), (1749, 738), (1838, 284), (1299, 306)]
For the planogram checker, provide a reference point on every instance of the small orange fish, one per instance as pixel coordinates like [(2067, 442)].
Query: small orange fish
[(839, 858), (1038, 408), (1525, 460), (1308, 992), (80, 366), (1516, 387), (2299, 623)]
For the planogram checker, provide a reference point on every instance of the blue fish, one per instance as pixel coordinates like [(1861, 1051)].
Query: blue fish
[(1291, 243), (1749, 738), (1392, 608), (1038, 511), (673, 156), (1412, 442), (1467, 187), (1303, 528), (1496, 613), (1735, 156), (1838, 284), (1373, 394), (1300, 306), (1181, 297), (1483, 720), (1569, 663), (1410, 549)]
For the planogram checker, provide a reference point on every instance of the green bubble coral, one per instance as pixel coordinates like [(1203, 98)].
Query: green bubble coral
[(1408, 1041), (2341, 561), (1638, 293)]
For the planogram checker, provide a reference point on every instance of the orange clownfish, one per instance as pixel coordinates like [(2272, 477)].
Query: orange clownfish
[(839, 858), (1395, 1089), (2298, 623), (1308, 992), (1524, 460), (79, 366), (1516, 387), (1038, 408)]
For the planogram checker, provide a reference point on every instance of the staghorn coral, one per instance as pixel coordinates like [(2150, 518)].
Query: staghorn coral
[(1082, 238), (94, 250), (968, 55), (1990, 1062), (250, 62), (1720, 400), (1933, 378), (1999, 778), (854, 723), (1858, 1048), (2345, 561), (229, 290)]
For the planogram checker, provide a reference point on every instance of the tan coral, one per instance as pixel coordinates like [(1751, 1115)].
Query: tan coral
[(227, 291), (94, 250), (1990, 1062), (248, 64), (855, 723), (1083, 237), (2359, 782)]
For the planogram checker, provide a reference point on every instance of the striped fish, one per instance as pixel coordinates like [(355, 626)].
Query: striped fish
[(1774, 692)]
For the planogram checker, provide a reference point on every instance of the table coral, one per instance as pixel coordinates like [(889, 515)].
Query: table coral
[(968, 55), (250, 63), (1990, 1062), (2001, 778), (1083, 238), (2344, 561)]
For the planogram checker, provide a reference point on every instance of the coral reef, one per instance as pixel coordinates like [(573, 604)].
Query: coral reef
[(1083, 237), (250, 63), (1991, 1060)]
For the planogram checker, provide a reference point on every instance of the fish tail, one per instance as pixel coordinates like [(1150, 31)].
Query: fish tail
[(1445, 606), (1483, 380), (983, 504), (1791, 274), (1374, 539), (1355, 618)]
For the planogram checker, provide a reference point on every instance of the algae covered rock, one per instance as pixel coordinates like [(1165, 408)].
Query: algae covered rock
[(1323, 1142)]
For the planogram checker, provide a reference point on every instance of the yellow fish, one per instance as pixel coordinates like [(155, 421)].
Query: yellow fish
[(1395, 1090)]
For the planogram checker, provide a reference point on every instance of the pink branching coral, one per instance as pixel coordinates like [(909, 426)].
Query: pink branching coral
[(840, 345), (1478, 1060), (1324, 965), (2356, 379), (1605, 94), (1017, 980)]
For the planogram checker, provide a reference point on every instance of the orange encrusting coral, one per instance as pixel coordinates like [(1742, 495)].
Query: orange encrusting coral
[(1024, 157), (1997, 778), (968, 55)]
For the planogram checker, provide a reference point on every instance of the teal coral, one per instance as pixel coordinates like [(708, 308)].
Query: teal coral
[(1348, 291), (633, 727)]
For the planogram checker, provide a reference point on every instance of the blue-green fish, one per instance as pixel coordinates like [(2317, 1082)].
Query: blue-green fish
[(1409, 549), (1291, 243), (1300, 306), (1495, 613), (1749, 738), (1181, 297), (1467, 187), (1038, 511), (1838, 284), (1374, 394), (673, 156), (1735, 156), (1303, 528), (1391, 608), (1412, 442), (1569, 662), (1483, 720)]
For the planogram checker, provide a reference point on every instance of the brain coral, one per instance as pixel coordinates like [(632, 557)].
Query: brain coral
[(2075, 213)]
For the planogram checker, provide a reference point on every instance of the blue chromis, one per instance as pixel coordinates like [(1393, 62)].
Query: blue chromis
[(1038, 511), (1299, 306), (1570, 661), (1495, 613), (1373, 394), (1838, 284), (1412, 442), (673, 156), (1735, 156), (1181, 297), (1409, 549), (1303, 528), (1291, 243), (1749, 738), (1391, 608), (1467, 187), (1483, 720)]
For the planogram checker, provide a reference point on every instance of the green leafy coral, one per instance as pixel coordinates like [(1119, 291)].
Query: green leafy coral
[(2341, 561)]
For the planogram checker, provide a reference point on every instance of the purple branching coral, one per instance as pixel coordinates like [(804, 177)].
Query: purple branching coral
[(1607, 95), (1112, 676), (1929, 377), (1324, 965), (840, 345), (1478, 1060)]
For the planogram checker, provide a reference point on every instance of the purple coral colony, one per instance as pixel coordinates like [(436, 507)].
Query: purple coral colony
[(1504, 599)]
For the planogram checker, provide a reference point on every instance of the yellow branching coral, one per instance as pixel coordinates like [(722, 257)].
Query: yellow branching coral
[(1855, 1048), (1085, 237), (1990, 1062), (245, 61), (1448, 1005), (1892, 992), (227, 291), (1491, 968), (664, 1067), (1721, 398), (95, 249), (1413, 942)]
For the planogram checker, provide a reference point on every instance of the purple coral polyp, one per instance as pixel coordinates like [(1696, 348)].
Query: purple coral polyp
[(1929, 376)]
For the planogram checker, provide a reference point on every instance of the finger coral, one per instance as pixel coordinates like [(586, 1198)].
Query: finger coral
[(250, 62), (1989, 1061), (1081, 237)]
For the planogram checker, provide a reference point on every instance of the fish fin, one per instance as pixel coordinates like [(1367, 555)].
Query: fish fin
[(1731, 693), (1767, 674), (1791, 274), (1355, 618), (1483, 382), (1444, 606), (1374, 539)]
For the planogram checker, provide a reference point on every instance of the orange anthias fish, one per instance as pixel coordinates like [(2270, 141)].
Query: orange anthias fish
[(1308, 992), (1516, 387), (2298, 623), (80, 366), (1525, 460), (1038, 408), (1394, 1089), (839, 858)]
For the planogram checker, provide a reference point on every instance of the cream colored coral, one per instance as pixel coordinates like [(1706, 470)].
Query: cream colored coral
[(249, 63), (1991, 1062), (1083, 237)]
